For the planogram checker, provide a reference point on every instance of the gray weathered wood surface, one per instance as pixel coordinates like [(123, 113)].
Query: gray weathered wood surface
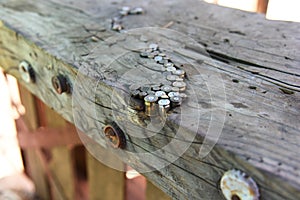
[(257, 60)]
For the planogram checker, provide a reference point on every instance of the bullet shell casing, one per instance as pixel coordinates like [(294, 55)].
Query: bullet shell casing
[(153, 46), (172, 94), (135, 93), (175, 101), (151, 107), (166, 88), (170, 69), (142, 95), (179, 72), (164, 107), (156, 88), (145, 88), (144, 54), (172, 77), (180, 84), (169, 65), (160, 93), (175, 89), (158, 58)]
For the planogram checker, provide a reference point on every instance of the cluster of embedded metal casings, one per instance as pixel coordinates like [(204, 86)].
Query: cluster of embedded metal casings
[(159, 98)]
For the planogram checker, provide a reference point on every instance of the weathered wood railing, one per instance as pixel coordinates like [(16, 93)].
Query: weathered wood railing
[(256, 58)]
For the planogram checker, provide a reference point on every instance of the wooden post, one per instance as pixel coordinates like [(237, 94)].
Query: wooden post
[(154, 193), (34, 166), (60, 161), (262, 6), (105, 182)]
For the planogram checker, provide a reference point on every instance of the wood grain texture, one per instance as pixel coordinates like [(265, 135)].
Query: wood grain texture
[(257, 60)]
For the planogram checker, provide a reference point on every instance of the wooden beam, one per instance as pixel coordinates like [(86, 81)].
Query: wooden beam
[(256, 58)]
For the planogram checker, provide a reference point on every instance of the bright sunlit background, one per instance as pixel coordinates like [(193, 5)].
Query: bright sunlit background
[(287, 10)]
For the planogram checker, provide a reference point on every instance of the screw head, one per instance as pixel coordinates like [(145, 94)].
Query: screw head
[(60, 84), (237, 185), (115, 136), (27, 72)]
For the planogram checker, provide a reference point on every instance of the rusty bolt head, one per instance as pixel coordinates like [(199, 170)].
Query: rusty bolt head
[(236, 185), (60, 84), (115, 136), (27, 72)]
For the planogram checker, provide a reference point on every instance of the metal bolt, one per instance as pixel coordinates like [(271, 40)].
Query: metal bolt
[(115, 136), (27, 72), (237, 185), (60, 84)]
